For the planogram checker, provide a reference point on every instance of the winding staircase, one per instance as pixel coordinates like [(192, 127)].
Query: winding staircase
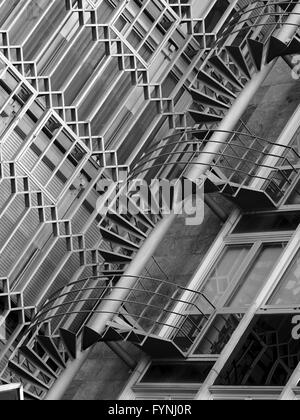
[(246, 170)]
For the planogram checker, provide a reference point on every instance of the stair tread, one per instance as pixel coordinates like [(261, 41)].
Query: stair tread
[(207, 100), (48, 345), (37, 361), (161, 348), (292, 48), (215, 84), (125, 224), (275, 49), (203, 117), (256, 50), (222, 68), (90, 337), (144, 218), (26, 375), (114, 257), (117, 239), (238, 58), (70, 341)]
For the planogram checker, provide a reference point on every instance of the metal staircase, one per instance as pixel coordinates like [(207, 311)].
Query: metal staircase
[(143, 320), (240, 171), (247, 169)]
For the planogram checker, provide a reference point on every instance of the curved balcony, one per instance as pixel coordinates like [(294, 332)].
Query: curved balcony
[(251, 171), (161, 318)]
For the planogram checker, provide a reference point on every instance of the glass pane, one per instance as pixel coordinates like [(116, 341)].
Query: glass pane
[(268, 222), (288, 290), (266, 355), (224, 272), (195, 372), (257, 276), (218, 334), (294, 197)]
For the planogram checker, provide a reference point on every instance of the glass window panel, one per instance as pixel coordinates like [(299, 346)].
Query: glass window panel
[(195, 372), (288, 290), (218, 334), (223, 274), (294, 197), (268, 222), (257, 275)]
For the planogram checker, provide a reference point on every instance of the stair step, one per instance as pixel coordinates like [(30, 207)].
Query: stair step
[(142, 217), (204, 118), (223, 69), (113, 273), (253, 200), (125, 224), (118, 240), (112, 335), (275, 49), (136, 337), (287, 8), (70, 342), (256, 50), (90, 337), (26, 375), (292, 48), (160, 348), (48, 345), (37, 361), (206, 100), (238, 58), (114, 257), (214, 85)]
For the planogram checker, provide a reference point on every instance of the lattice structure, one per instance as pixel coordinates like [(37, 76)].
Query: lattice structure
[(84, 86)]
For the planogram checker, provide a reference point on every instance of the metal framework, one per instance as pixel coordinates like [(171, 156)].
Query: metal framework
[(88, 103)]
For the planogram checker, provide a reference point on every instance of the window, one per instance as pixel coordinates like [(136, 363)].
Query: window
[(288, 290), (223, 274), (268, 222), (218, 334), (265, 356), (257, 275), (184, 372)]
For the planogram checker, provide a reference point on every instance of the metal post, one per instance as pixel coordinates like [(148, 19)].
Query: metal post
[(149, 247)]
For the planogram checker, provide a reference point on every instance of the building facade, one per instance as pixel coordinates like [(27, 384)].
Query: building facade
[(98, 93)]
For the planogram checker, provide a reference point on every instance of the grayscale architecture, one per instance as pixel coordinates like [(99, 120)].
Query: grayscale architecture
[(150, 199)]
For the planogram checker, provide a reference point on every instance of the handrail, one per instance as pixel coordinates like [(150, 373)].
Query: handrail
[(244, 10), (216, 130)]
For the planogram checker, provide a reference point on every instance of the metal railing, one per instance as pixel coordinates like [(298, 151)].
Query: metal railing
[(239, 161)]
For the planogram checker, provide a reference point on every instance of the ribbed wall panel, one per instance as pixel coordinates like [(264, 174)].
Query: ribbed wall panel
[(5, 191), (11, 146), (11, 217), (40, 280), (78, 221), (12, 251)]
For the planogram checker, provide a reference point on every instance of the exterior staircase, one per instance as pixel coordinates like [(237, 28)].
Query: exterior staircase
[(61, 323)]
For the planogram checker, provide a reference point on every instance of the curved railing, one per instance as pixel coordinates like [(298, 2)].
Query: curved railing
[(148, 305), (272, 10), (242, 160)]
